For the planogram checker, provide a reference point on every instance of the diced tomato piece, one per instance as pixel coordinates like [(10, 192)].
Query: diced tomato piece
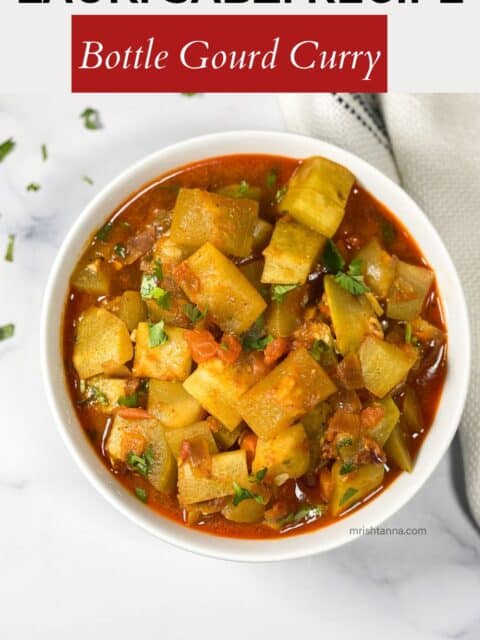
[(134, 414), (229, 349), (203, 345), (371, 416), (275, 350)]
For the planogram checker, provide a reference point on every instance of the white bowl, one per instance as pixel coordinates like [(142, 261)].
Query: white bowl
[(456, 383)]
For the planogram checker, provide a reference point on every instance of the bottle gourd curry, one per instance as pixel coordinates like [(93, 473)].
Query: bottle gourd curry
[(254, 345)]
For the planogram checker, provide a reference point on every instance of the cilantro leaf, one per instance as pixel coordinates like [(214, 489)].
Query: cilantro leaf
[(10, 248), (353, 281), (95, 395), (271, 179), (128, 401), (121, 250), (279, 291), (87, 180), (193, 313), (347, 467), (255, 339), (345, 442), (7, 331), (157, 270), (141, 494), (243, 188), (349, 493), (317, 348), (91, 119), (306, 511), (44, 152), (157, 335), (149, 290), (33, 186), (6, 147), (332, 259), (103, 233), (240, 494), (142, 464), (280, 193), (259, 475), (256, 344)]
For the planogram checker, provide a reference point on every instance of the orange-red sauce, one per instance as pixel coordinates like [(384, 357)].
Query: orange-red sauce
[(365, 217)]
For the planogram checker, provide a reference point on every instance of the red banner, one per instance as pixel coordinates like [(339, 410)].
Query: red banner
[(229, 53)]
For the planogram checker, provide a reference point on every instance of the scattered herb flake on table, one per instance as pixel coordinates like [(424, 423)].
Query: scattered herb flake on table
[(6, 147), (44, 152), (10, 248), (7, 331), (33, 186), (91, 119)]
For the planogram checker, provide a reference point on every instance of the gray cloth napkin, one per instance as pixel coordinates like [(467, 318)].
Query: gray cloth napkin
[(430, 144)]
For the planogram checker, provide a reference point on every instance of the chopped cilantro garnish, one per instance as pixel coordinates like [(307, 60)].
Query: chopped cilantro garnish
[(271, 179), (279, 291), (317, 348), (280, 193), (87, 180), (6, 147), (256, 345), (95, 395), (388, 231), (345, 442), (347, 467), (158, 271), (142, 463), (408, 333), (332, 259), (243, 188), (255, 338), (141, 494), (353, 281), (91, 118), (128, 401), (7, 331), (306, 511), (193, 313), (259, 475), (121, 250), (10, 248), (44, 152), (33, 186), (349, 493), (157, 335), (103, 233), (240, 494), (149, 290)]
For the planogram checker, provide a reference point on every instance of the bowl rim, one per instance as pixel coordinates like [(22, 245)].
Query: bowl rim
[(261, 550)]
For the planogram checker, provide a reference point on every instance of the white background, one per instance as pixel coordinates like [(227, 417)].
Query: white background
[(73, 568), (433, 47)]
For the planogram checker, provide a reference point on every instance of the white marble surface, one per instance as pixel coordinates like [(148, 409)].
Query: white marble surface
[(71, 566)]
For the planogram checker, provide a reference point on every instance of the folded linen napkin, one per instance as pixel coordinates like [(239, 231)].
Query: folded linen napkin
[(431, 145)]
